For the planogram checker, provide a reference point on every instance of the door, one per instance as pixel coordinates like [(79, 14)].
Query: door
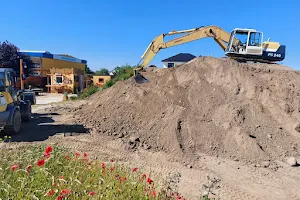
[(254, 46)]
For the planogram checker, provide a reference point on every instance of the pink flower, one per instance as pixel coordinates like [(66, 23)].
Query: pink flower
[(14, 167), (154, 193)]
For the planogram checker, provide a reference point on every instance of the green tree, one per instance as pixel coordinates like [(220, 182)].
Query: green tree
[(102, 72), (88, 70), (10, 58)]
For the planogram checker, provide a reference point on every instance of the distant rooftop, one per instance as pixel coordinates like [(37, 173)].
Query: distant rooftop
[(181, 57)]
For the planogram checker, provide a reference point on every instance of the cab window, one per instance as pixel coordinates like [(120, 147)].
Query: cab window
[(255, 39)]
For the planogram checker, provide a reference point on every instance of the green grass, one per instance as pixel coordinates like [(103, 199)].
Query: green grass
[(68, 175)]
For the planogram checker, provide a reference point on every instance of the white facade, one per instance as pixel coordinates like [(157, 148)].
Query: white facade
[(166, 64)]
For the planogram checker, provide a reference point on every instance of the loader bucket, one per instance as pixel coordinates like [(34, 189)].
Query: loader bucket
[(140, 78)]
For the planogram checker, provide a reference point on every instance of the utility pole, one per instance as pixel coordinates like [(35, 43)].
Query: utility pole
[(21, 74)]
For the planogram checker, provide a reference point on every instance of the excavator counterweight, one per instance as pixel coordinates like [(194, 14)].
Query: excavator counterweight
[(240, 44)]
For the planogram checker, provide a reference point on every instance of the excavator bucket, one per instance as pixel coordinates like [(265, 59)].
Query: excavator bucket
[(139, 78)]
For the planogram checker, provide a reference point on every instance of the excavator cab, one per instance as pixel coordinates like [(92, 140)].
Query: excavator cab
[(245, 43)]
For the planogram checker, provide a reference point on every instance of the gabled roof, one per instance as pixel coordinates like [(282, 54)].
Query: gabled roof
[(182, 57)]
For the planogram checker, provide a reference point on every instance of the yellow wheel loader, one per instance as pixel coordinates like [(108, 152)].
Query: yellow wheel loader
[(241, 44), (13, 110)]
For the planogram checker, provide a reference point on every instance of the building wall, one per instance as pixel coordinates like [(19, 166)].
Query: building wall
[(165, 64), (48, 63), (100, 80)]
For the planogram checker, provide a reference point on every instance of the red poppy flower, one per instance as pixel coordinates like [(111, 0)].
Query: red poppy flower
[(117, 177), (112, 168), (85, 155), (92, 193), (149, 181), (60, 198), (28, 168), (61, 177), (14, 167), (77, 154), (103, 165), (111, 160), (50, 193), (40, 162), (144, 175), (48, 150), (135, 169), (65, 192)]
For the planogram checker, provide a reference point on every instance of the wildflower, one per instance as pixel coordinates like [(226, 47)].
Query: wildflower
[(14, 167), (135, 169), (149, 181), (111, 160), (92, 193), (60, 198), (47, 155), (123, 179), (48, 150), (65, 192), (117, 177), (144, 175), (50, 193), (61, 177), (103, 165), (28, 168), (40, 162), (112, 169), (85, 155), (77, 154)]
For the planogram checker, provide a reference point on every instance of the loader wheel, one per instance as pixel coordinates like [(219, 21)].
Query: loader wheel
[(15, 127), (27, 117)]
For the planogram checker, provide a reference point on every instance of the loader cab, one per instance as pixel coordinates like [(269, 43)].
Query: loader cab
[(8, 82), (245, 43)]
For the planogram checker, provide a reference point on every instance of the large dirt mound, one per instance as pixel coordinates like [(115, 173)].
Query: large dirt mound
[(213, 106)]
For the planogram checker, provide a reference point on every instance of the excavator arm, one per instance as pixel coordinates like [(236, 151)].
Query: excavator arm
[(219, 35)]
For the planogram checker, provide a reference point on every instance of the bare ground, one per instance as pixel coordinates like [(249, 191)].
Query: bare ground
[(234, 124), (233, 179)]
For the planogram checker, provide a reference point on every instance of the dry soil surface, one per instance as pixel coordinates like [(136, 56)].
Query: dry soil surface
[(214, 122)]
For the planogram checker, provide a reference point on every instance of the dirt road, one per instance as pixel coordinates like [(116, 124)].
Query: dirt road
[(231, 179)]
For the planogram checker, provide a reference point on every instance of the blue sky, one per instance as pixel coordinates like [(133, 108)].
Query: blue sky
[(115, 32)]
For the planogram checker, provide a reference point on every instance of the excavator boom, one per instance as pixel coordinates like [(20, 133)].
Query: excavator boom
[(219, 35)]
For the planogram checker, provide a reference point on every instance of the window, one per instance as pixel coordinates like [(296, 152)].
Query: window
[(255, 39), (59, 79), (101, 80), (170, 65)]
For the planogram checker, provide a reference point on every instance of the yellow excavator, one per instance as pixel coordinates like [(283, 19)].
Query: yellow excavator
[(241, 44)]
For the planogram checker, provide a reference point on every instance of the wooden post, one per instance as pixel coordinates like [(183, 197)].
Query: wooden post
[(21, 73)]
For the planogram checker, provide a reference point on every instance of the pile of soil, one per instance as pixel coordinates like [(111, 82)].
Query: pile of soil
[(214, 106)]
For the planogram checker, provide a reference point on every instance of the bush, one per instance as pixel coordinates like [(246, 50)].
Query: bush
[(39, 172)]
